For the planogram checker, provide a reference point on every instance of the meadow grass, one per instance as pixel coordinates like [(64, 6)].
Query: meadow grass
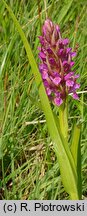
[(28, 165)]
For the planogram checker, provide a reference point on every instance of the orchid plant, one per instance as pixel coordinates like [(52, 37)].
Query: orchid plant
[(56, 63), (55, 80)]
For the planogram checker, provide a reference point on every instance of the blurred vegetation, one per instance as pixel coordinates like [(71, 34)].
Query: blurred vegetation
[(28, 165)]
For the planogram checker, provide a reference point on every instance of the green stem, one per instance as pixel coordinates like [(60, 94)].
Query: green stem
[(63, 119)]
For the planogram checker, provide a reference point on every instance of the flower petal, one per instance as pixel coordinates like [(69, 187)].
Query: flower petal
[(69, 75), (75, 96), (73, 54), (48, 91), (58, 101), (56, 80), (69, 83), (42, 56), (76, 86), (44, 74)]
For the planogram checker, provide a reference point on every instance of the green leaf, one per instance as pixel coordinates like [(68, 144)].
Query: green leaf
[(66, 162), (76, 153), (75, 142)]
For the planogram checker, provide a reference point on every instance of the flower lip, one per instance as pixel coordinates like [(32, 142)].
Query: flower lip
[(44, 74), (56, 80), (69, 75), (42, 67), (66, 66), (69, 83), (48, 91), (63, 42), (52, 61), (41, 39), (75, 96), (68, 50), (42, 55), (58, 101), (73, 54), (76, 86), (72, 63)]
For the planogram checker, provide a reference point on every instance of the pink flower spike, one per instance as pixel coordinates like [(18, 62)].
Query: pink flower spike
[(56, 64)]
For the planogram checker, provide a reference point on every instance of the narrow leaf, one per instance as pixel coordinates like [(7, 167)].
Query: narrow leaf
[(75, 142), (76, 152)]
